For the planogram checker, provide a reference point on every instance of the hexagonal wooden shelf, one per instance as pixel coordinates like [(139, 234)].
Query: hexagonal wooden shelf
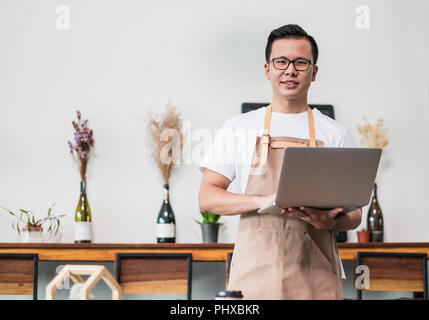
[(73, 272)]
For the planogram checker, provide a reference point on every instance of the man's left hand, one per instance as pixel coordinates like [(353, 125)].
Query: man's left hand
[(320, 219)]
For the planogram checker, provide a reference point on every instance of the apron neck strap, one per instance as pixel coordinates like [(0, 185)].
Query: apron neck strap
[(267, 120), (311, 130)]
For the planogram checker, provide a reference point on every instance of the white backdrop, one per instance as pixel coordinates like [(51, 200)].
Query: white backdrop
[(115, 61)]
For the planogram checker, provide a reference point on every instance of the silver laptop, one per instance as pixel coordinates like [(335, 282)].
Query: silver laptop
[(326, 178)]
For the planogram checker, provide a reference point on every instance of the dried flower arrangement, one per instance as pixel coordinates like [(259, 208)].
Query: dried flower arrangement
[(373, 136), (166, 141), (84, 141)]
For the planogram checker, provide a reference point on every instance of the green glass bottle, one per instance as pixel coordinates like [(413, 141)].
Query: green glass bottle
[(166, 222), (82, 218), (375, 223)]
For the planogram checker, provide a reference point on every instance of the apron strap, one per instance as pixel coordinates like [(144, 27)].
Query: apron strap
[(311, 127), (265, 141), (267, 120)]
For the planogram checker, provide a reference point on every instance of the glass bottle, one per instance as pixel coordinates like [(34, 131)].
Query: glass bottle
[(166, 222), (83, 218), (375, 223)]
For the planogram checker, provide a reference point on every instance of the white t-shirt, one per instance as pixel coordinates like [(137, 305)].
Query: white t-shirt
[(232, 150)]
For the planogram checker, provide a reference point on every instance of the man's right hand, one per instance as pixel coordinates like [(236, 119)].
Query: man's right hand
[(213, 196)]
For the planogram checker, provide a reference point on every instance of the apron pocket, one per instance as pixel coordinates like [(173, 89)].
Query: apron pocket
[(319, 252)]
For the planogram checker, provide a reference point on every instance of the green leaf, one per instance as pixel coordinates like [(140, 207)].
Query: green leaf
[(198, 221), (50, 209), (10, 212), (58, 226)]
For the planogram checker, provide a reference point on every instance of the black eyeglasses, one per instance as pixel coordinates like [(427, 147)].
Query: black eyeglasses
[(300, 64)]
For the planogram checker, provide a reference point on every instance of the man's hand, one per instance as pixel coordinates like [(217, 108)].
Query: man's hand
[(214, 197), (266, 200), (320, 219)]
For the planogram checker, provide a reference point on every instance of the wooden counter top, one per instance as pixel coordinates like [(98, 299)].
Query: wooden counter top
[(106, 251), (200, 251)]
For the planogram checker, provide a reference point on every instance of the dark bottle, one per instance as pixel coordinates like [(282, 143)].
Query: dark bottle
[(166, 223), (83, 219), (375, 221)]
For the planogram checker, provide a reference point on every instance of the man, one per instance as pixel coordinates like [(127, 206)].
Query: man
[(292, 255)]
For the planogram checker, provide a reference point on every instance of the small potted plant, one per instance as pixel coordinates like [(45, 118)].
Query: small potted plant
[(363, 236), (209, 226), (31, 229)]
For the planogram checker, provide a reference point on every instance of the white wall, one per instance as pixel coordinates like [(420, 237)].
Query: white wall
[(109, 66)]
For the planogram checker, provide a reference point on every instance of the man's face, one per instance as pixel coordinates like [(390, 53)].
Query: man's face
[(290, 83)]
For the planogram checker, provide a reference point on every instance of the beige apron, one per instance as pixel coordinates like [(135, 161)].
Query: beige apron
[(280, 257)]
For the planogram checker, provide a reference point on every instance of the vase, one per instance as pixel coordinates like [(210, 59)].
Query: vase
[(83, 218), (32, 234), (375, 221), (210, 232), (166, 221)]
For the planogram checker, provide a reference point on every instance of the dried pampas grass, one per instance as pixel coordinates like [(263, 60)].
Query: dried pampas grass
[(373, 136), (165, 140)]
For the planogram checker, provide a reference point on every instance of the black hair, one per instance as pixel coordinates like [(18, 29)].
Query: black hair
[(290, 31)]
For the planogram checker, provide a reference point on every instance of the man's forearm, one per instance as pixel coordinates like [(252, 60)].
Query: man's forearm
[(348, 221), (217, 200)]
